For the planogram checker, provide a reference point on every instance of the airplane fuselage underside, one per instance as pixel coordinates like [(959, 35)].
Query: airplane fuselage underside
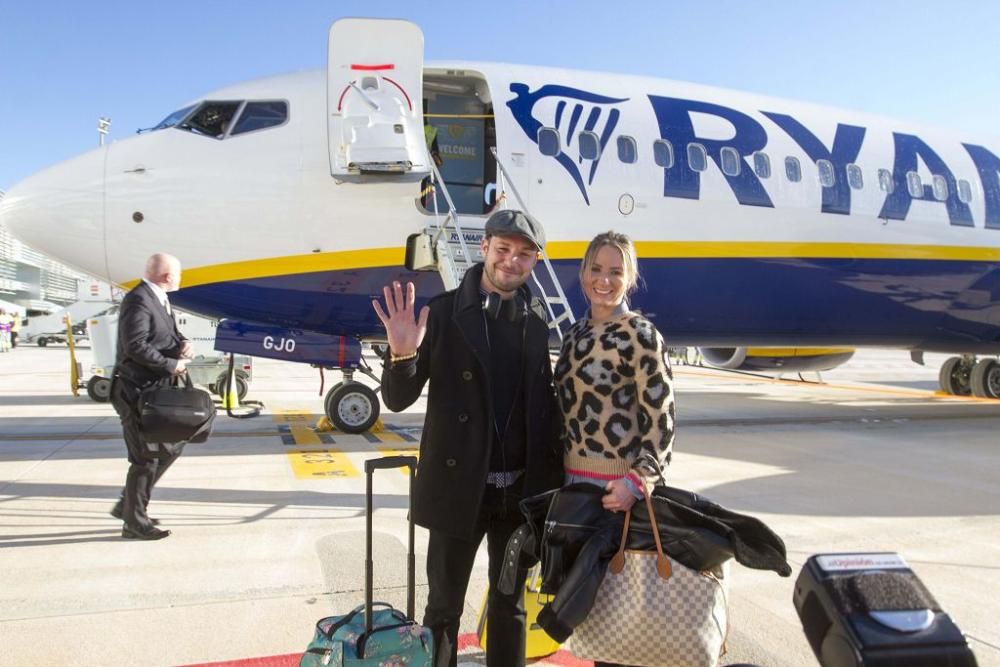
[(939, 305)]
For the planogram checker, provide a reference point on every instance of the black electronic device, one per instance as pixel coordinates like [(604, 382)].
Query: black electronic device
[(871, 610), (512, 309)]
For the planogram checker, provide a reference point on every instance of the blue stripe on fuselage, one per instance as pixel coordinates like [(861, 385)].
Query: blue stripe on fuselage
[(934, 305)]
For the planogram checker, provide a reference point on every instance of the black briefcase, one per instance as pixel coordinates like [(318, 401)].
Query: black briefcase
[(173, 411)]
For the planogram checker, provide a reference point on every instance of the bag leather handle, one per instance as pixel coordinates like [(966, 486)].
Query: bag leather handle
[(663, 567)]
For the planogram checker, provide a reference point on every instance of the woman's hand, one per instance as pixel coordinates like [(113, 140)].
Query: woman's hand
[(619, 497)]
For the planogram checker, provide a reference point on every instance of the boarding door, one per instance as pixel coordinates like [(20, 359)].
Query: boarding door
[(374, 88)]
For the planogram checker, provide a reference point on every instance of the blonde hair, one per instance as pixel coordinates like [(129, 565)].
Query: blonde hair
[(625, 246)]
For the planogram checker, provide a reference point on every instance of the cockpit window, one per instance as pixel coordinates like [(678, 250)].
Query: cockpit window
[(174, 118), (260, 115), (211, 119)]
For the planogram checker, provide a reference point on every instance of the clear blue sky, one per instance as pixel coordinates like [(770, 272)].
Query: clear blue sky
[(64, 63)]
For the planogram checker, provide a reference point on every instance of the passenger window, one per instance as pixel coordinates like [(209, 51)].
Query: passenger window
[(697, 157), (762, 165), (548, 141), (211, 119), (627, 151), (914, 185), (964, 191), (886, 182), (854, 177), (940, 186), (590, 146), (826, 173), (730, 161), (663, 153), (261, 115), (793, 170)]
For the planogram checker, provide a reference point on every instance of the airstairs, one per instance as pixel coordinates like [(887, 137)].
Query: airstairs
[(451, 246)]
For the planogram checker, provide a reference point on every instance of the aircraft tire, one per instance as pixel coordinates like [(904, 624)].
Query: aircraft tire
[(985, 378), (352, 407), (327, 410), (99, 389), (43, 341), (954, 377)]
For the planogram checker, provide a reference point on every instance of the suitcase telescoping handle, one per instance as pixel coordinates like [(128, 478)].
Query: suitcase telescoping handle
[(371, 465)]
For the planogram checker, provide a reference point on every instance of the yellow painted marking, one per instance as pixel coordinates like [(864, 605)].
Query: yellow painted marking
[(290, 265), (739, 249), (400, 451), (291, 416), (377, 257), (796, 351), (304, 435), (321, 463)]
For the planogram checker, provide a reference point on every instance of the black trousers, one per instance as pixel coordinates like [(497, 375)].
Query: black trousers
[(146, 465), (449, 566)]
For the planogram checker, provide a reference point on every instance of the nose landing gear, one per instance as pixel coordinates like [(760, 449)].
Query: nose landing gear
[(351, 406)]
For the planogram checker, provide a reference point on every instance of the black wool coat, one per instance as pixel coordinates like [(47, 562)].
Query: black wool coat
[(454, 360)]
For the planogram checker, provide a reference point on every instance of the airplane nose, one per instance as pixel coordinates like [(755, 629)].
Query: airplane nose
[(59, 211)]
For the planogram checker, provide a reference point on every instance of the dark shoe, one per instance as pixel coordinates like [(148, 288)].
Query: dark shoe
[(117, 513), (139, 534)]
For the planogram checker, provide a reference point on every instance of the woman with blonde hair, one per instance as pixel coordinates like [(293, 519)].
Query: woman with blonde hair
[(614, 382)]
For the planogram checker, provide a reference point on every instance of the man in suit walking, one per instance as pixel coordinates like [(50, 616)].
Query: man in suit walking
[(150, 347)]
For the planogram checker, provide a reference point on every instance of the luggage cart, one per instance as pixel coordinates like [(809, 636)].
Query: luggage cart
[(208, 368)]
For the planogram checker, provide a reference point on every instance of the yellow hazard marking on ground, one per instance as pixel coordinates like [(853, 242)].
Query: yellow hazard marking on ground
[(321, 463), (292, 416), (304, 435), (399, 451), (309, 458)]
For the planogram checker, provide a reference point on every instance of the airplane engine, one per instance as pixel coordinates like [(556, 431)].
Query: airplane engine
[(777, 360)]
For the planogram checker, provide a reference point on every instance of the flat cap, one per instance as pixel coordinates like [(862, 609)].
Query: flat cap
[(516, 223)]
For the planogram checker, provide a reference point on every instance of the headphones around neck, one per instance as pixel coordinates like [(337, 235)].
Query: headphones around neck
[(511, 310)]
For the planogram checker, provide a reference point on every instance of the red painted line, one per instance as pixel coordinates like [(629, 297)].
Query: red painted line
[(340, 354), (372, 68), (400, 90), (288, 660), (561, 658), (340, 102)]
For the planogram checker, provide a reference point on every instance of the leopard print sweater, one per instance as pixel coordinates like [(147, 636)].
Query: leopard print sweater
[(615, 391)]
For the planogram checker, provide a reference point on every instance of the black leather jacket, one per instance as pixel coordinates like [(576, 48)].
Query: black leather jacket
[(575, 537)]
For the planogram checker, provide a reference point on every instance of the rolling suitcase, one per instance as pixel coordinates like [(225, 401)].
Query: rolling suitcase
[(374, 634)]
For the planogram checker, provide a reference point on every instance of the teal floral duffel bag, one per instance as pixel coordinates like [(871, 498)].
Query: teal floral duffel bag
[(394, 641)]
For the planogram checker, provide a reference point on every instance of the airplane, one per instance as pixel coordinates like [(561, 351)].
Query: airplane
[(771, 232)]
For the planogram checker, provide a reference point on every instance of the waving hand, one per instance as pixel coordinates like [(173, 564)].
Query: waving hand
[(404, 331)]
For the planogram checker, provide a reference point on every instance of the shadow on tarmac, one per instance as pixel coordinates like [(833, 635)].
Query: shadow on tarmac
[(34, 400), (72, 537), (197, 509)]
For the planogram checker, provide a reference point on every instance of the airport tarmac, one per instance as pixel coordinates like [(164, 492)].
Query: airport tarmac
[(268, 516)]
